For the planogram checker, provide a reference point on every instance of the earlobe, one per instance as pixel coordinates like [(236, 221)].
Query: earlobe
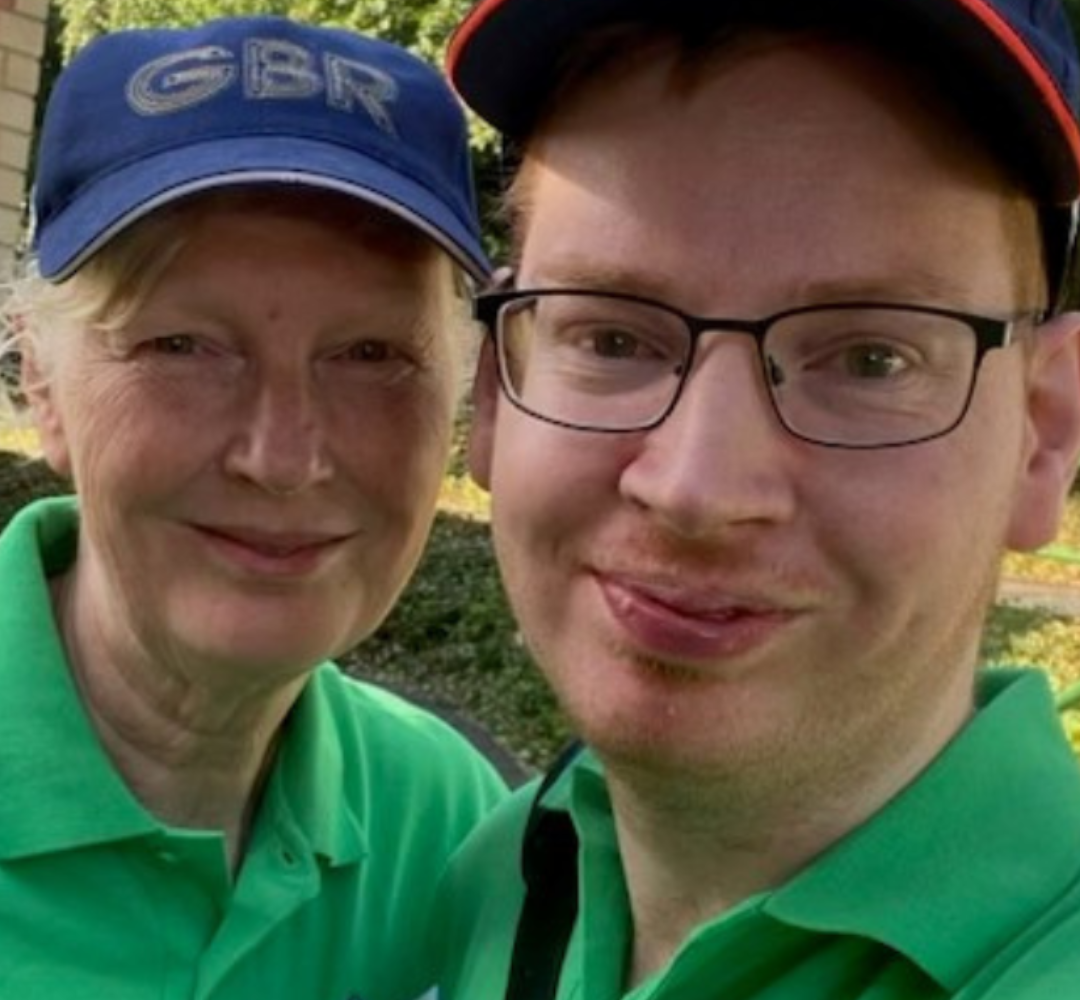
[(38, 389), (485, 401), (1053, 415)]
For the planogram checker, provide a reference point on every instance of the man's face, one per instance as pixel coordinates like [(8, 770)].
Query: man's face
[(715, 595)]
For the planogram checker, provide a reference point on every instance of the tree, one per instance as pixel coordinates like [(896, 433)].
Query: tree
[(1072, 8)]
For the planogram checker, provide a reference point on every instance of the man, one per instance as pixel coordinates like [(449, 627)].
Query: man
[(780, 374)]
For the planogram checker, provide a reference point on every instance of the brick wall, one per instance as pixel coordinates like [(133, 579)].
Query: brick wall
[(22, 39)]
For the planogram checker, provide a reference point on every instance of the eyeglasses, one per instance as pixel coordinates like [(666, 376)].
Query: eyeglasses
[(843, 375)]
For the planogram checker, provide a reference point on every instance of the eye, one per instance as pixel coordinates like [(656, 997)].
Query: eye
[(370, 351), (855, 356), (597, 329), (378, 360), (604, 340), (176, 344), (873, 361), (612, 342)]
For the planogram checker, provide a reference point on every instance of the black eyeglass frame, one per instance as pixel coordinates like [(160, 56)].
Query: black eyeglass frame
[(990, 334)]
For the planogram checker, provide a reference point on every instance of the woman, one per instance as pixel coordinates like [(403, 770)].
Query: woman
[(242, 341)]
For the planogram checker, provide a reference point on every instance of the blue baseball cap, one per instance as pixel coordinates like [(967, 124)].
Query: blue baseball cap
[(504, 60), (142, 118)]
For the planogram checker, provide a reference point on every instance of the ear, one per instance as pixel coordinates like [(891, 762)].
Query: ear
[(485, 403), (1053, 415), (39, 391)]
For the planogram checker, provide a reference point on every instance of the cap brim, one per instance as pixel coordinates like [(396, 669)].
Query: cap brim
[(505, 57), (126, 195)]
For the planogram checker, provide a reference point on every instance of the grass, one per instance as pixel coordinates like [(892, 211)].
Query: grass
[(452, 642), (1038, 639), (1033, 637), (1055, 566)]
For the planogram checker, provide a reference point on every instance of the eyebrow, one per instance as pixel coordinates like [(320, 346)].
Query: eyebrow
[(909, 283), (589, 274)]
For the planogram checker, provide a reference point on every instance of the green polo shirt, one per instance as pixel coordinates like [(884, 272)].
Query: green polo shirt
[(98, 899), (967, 884)]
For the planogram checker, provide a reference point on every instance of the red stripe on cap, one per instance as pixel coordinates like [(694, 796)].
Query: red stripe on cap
[(1049, 90), (466, 29), (1052, 96)]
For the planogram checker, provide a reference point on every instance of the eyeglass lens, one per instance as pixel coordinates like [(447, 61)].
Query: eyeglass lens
[(861, 377)]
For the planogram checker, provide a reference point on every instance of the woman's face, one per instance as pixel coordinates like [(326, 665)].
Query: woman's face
[(258, 447)]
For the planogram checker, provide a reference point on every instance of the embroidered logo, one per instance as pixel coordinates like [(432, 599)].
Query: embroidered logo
[(268, 69)]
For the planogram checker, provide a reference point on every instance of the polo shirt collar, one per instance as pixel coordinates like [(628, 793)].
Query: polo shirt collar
[(60, 789), (976, 847), (958, 863), (311, 774)]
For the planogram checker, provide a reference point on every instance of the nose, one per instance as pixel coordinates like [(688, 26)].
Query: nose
[(280, 444), (721, 460)]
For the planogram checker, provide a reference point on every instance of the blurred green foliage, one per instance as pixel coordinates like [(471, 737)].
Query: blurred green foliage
[(452, 640), (1030, 637)]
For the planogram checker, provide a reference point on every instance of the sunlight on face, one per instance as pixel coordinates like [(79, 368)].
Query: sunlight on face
[(258, 433), (716, 596)]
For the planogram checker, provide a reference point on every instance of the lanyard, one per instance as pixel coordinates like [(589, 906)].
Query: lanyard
[(549, 866)]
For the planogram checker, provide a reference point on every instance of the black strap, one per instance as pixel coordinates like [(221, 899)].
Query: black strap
[(549, 866)]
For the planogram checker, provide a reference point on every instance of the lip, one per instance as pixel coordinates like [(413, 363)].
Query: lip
[(677, 623), (274, 554)]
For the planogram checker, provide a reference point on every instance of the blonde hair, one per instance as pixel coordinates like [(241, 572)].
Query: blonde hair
[(40, 317)]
